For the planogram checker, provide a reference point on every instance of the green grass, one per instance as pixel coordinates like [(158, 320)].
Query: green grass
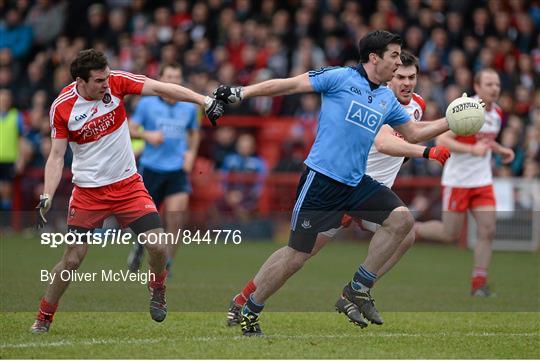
[(311, 335), (424, 301)]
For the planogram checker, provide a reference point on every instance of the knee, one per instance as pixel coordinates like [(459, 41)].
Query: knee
[(156, 249), (399, 221), (296, 259), (155, 242), (72, 262), (486, 232)]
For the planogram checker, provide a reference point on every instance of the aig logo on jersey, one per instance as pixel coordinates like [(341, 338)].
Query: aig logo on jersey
[(364, 117)]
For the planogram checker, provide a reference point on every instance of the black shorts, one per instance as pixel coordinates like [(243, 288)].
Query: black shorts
[(321, 202), (163, 184)]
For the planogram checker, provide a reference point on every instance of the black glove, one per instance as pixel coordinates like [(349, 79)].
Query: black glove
[(229, 94), (43, 207), (214, 109)]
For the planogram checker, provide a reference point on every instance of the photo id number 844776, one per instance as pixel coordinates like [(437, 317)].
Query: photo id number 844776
[(214, 236)]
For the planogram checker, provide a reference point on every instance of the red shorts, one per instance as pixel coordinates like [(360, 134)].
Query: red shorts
[(127, 199), (461, 199)]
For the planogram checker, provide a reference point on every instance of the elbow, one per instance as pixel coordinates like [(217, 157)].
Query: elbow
[(381, 146)]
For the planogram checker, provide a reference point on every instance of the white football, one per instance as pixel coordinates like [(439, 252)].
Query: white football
[(465, 115)]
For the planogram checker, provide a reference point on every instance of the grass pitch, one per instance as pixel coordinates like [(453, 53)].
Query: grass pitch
[(424, 301)]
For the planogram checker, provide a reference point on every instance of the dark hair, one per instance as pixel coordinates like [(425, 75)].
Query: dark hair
[(173, 65), (376, 42), (408, 59), (86, 61)]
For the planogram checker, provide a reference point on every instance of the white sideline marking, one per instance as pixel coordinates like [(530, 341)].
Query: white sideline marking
[(92, 342)]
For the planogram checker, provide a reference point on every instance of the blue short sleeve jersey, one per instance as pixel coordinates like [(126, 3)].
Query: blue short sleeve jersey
[(175, 121), (353, 110)]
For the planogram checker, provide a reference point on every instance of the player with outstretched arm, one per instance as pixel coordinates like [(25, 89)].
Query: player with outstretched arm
[(355, 105), (384, 161), (90, 114)]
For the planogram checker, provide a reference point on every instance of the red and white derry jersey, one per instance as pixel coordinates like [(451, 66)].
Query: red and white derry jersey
[(97, 131), (468, 171), (382, 167)]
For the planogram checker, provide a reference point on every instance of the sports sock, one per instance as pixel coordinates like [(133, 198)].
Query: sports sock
[(159, 279), (479, 277), (252, 307), (241, 298), (46, 310), (363, 280)]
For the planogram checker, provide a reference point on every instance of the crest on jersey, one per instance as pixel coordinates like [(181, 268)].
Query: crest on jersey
[(416, 114), (107, 98), (383, 104)]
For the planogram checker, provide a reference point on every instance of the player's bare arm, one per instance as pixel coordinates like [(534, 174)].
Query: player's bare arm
[(448, 139), (213, 107), (54, 166), (194, 139), (386, 142), (173, 91), (506, 153), (53, 174), (273, 87), (416, 132)]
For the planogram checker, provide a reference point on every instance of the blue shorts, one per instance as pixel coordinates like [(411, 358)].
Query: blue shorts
[(162, 184), (321, 202)]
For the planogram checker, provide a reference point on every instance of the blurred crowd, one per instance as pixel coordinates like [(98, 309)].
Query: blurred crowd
[(244, 42)]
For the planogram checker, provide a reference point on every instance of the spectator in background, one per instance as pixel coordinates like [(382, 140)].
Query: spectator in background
[(14, 35), (117, 27), (242, 40), (97, 22), (47, 18), (307, 115), (278, 61), (35, 144), (292, 157), (162, 21), (241, 197), (34, 81), (11, 128), (223, 145)]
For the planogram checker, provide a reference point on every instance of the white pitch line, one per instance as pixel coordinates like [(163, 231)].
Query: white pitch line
[(82, 343), (238, 337)]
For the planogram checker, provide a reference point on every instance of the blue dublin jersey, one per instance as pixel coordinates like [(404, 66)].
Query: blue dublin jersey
[(175, 121), (353, 110)]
